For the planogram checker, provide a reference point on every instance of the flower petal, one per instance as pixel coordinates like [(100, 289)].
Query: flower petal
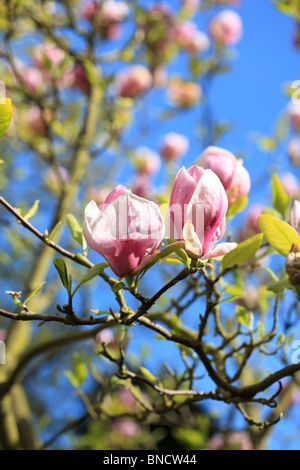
[(193, 245), (220, 250)]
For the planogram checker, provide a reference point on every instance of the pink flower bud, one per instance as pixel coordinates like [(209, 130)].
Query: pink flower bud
[(191, 4), (174, 146), (76, 77), (38, 120), (133, 81), (142, 187), (146, 161), (97, 194), (197, 213), (294, 219), (108, 15), (293, 113), (126, 427), (293, 151), (184, 94), (234, 177), (251, 228), (48, 53), (190, 38), (30, 77), (56, 178), (226, 27), (126, 230), (106, 336), (290, 184)]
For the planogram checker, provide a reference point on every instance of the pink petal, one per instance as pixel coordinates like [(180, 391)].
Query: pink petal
[(220, 250)]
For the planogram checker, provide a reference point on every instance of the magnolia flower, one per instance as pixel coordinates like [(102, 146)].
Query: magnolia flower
[(38, 120), (76, 76), (234, 177), (146, 161), (133, 81), (174, 146), (290, 184), (226, 27), (190, 38), (197, 213), (293, 151), (108, 15), (126, 230), (184, 94), (48, 53)]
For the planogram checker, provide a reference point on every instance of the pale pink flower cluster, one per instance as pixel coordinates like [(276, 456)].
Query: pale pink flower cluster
[(128, 230)]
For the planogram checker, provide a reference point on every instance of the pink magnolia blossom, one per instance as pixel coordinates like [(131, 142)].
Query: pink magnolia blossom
[(76, 76), (293, 151), (126, 230), (226, 27), (184, 94), (239, 440), (234, 177), (48, 52), (146, 161), (191, 4), (133, 81), (174, 146), (38, 120), (30, 77), (142, 186), (290, 184), (293, 113), (188, 36), (126, 427), (197, 213), (108, 15), (294, 219), (106, 336), (251, 228)]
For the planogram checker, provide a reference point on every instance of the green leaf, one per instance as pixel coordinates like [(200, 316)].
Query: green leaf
[(261, 329), (281, 200), (76, 230), (72, 379), (32, 211), (242, 252), (237, 206), (79, 368), (61, 268), (34, 292), (146, 373), (5, 115), (230, 299), (278, 233), (279, 286), (280, 339), (92, 272), (244, 317), (100, 312)]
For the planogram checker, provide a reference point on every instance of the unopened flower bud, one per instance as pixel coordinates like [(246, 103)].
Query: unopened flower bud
[(292, 265)]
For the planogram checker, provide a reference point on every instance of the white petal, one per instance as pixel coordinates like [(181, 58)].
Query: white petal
[(192, 243)]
